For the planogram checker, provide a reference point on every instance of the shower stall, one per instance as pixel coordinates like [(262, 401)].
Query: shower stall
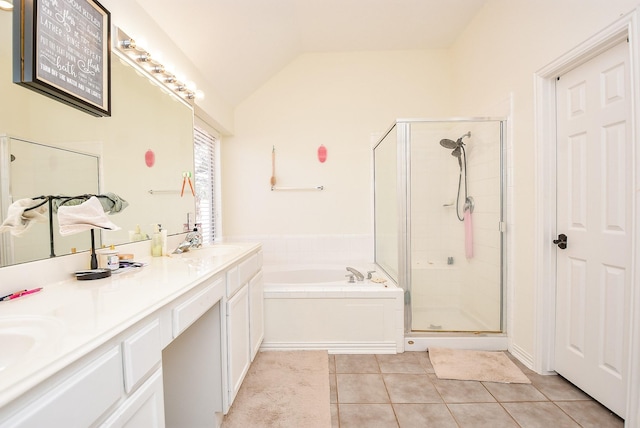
[(439, 223)]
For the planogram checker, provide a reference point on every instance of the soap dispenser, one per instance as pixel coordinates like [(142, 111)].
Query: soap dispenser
[(158, 243)]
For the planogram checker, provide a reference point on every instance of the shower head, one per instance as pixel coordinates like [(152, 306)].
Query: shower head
[(454, 145), (448, 144), (457, 152)]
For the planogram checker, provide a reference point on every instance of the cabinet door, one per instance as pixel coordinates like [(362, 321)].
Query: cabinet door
[(141, 353), (238, 339), (256, 311), (80, 400), (145, 408)]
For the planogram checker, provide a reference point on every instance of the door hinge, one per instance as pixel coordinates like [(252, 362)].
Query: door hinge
[(502, 226)]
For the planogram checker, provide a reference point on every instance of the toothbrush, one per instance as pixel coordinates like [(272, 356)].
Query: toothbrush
[(20, 294)]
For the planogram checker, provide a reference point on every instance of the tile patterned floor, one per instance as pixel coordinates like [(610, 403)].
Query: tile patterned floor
[(402, 391)]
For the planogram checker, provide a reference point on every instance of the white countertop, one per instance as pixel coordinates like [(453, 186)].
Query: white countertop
[(82, 315)]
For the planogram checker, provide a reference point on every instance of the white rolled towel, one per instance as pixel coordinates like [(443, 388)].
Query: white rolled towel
[(18, 220), (88, 215)]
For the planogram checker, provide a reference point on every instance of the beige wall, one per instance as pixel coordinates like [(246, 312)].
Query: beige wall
[(335, 99), (498, 55)]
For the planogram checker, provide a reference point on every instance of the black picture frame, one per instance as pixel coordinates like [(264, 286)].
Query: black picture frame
[(62, 49)]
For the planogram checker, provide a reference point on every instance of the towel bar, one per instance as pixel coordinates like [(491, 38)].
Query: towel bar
[(163, 192), (297, 188)]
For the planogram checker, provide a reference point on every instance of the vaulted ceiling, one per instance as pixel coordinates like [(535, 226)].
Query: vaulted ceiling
[(240, 44)]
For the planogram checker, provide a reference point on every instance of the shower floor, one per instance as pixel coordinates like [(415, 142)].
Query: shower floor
[(448, 319)]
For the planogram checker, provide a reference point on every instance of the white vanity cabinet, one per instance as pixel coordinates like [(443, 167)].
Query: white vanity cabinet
[(175, 358), (245, 321), (114, 381)]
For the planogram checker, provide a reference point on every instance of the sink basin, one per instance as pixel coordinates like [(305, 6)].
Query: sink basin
[(24, 337), (211, 251)]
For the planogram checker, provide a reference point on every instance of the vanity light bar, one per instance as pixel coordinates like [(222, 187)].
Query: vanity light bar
[(127, 46)]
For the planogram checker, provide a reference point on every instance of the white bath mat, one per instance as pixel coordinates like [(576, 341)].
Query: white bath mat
[(485, 366)]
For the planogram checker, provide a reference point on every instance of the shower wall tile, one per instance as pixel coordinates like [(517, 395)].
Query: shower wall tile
[(482, 170), (482, 306), (488, 237), (487, 187), (487, 254), (436, 286)]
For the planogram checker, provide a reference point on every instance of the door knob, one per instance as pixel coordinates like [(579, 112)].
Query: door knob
[(561, 242)]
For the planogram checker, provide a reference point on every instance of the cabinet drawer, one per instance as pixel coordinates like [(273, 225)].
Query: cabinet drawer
[(142, 352), (247, 269), (187, 312), (260, 259), (233, 281), (81, 399)]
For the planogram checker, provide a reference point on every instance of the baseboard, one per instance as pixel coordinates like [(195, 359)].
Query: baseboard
[(524, 357), (333, 347)]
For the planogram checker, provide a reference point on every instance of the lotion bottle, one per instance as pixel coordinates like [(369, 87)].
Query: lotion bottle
[(156, 241)]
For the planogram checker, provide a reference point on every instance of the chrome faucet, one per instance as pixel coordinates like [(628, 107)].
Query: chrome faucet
[(358, 275), (192, 240)]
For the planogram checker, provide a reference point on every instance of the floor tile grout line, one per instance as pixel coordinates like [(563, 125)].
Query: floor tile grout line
[(500, 403), (424, 370), (570, 417), (386, 388)]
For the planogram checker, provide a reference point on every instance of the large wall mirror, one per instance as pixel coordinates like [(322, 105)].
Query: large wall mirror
[(144, 118)]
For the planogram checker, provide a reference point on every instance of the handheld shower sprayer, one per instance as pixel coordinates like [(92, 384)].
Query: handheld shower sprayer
[(458, 152), (468, 134)]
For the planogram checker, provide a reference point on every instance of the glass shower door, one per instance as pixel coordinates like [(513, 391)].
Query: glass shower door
[(455, 210)]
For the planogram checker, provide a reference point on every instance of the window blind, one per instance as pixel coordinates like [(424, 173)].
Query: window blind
[(205, 182)]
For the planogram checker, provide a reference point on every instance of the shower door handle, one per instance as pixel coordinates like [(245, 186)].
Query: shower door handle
[(561, 242)]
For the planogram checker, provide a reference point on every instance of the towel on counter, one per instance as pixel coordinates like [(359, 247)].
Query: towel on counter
[(111, 203), (88, 215), (18, 220)]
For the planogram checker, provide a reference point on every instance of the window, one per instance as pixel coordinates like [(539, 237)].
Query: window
[(205, 182)]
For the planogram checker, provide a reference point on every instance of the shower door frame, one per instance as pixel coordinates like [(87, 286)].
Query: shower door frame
[(403, 130)]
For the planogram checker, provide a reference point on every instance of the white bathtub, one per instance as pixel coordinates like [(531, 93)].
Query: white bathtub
[(315, 307)]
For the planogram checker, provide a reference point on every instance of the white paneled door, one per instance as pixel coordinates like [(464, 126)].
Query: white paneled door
[(594, 201)]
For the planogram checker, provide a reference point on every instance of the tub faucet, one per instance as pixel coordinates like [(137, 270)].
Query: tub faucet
[(358, 275), (192, 240)]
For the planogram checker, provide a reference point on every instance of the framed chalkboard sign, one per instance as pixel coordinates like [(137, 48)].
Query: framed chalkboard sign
[(62, 49)]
